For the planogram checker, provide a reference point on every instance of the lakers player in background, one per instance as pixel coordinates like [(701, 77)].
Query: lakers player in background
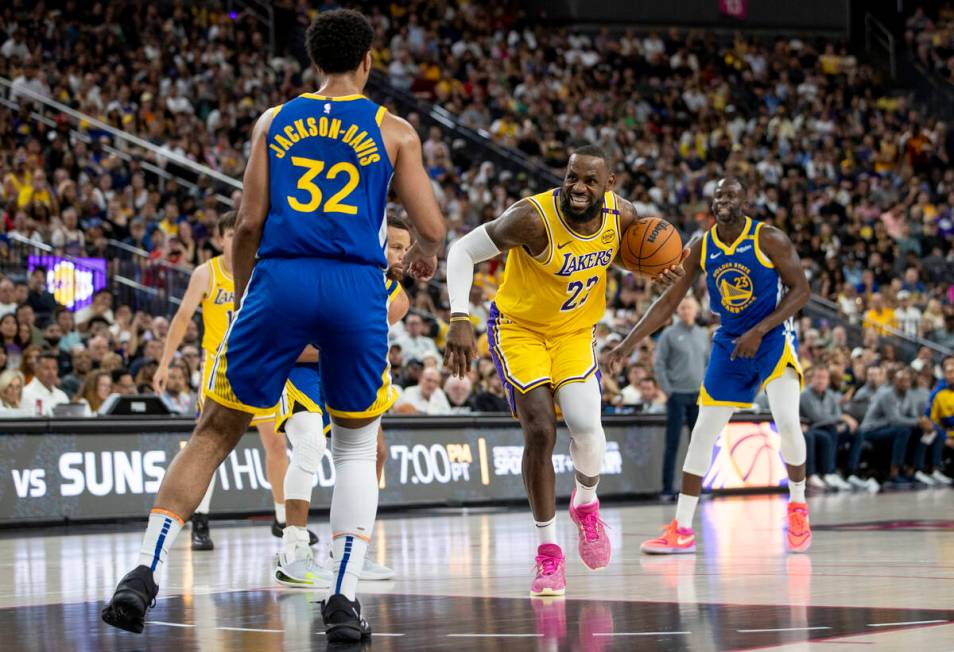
[(541, 328), (211, 286), (309, 258), (756, 286)]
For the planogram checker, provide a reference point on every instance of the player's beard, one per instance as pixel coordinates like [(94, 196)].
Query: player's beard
[(579, 217)]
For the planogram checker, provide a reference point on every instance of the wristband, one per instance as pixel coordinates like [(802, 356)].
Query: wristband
[(459, 318)]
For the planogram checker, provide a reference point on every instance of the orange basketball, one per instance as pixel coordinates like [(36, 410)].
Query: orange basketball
[(650, 246)]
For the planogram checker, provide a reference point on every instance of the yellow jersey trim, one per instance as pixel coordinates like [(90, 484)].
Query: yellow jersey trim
[(382, 403), (342, 98), (702, 254), (758, 251), (226, 275), (241, 407), (208, 290), (705, 399), (379, 116), (566, 225), (277, 109), (546, 225), (730, 249), (788, 359)]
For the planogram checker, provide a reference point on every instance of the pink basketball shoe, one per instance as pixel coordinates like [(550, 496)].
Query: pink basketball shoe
[(595, 549), (551, 571)]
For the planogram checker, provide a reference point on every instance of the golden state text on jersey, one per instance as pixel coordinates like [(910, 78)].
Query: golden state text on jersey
[(329, 174)]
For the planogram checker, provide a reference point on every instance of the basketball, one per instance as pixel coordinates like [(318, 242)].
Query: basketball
[(650, 246)]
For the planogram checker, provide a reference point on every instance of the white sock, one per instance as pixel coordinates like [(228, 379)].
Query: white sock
[(294, 538), (584, 495), (280, 512), (160, 534), (796, 491), (203, 507), (546, 531), (354, 502), (686, 509)]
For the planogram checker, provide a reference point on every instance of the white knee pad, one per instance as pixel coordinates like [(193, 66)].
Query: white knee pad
[(581, 406), (305, 432), (710, 422), (783, 395), (359, 444)]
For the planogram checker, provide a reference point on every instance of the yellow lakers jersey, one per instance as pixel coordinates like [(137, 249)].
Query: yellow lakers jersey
[(217, 305), (563, 289)]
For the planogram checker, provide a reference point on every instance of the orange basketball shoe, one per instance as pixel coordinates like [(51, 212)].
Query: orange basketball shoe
[(799, 534), (674, 541)]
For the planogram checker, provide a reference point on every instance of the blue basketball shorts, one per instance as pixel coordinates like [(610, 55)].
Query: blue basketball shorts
[(302, 393), (736, 383), (339, 307)]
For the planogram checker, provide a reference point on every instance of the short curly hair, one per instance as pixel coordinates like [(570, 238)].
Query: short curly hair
[(338, 40)]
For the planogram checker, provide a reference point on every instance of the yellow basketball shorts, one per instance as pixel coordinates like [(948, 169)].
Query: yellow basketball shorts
[(526, 358)]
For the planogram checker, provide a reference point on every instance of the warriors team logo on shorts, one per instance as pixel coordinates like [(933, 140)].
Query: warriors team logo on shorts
[(735, 286)]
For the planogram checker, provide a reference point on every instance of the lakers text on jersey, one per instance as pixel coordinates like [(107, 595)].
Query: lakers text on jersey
[(744, 288), (317, 279), (542, 321)]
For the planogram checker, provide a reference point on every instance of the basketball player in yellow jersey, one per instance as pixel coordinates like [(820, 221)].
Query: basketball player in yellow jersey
[(211, 287), (540, 330)]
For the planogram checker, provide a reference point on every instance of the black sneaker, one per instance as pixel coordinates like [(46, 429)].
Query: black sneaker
[(278, 528), (343, 620), (136, 593), (201, 539)]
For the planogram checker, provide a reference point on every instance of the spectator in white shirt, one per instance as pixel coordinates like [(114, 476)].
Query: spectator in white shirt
[(427, 397), (177, 395), (414, 343), (653, 398), (11, 394), (42, 394), (97, 387), (458, 394), (907, 316), (631, 394)]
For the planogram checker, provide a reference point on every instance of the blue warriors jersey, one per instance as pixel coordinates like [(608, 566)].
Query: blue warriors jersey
[(329, 175), (744, 286)]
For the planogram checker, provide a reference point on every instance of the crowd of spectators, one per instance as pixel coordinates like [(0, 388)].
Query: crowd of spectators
[(857, 177), (930, 37)]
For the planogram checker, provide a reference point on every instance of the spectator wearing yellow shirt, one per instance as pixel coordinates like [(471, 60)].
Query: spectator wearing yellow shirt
[(879, 316)]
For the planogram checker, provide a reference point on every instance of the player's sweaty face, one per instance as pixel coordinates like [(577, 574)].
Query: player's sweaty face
[(727, 201), (585, 182)]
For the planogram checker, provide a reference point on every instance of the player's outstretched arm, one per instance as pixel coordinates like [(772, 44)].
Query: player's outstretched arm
[(660, 313), (780, 250), (413, 188), (254, 208), (627, 217), (199, 283), (519, 226)]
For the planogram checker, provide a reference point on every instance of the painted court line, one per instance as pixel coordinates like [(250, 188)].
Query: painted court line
[(159, 622), (250, 629), (493, 635), (779, 629), (641, 633), (910, 622)]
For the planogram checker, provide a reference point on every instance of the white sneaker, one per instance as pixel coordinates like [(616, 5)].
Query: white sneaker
[(300, 570), (857, 482), (835, 481), (816, 482), (370, 571), (873, 486), (940, 478), (924, 478)]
